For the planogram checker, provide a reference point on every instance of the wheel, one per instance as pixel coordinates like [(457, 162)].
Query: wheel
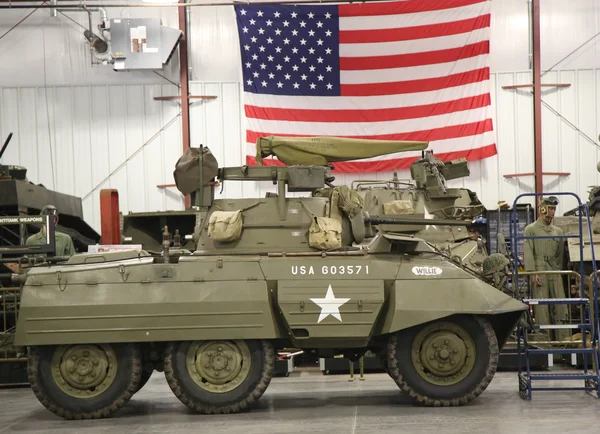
[(219, 377), (445, 363), (85, 381)]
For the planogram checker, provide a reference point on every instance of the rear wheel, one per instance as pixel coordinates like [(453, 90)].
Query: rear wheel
[(219, 377), (447, 362), (84, 381)]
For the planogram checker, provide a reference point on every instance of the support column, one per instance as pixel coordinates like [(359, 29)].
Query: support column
[(537, 98), (184, 83), (110, 220)]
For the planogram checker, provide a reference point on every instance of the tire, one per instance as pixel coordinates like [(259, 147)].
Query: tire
[(409, 365), (184, 381), (52, 387)]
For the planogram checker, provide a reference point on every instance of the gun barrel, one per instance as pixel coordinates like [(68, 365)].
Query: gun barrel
[(5, 145), (409, 221)]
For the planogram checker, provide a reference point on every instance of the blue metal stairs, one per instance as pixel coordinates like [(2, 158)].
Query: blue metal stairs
[(588, 324)]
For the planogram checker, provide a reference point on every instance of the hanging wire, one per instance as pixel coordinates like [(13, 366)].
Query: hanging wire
[(164, 127), (24, 18), (570, 54), (570, 123)]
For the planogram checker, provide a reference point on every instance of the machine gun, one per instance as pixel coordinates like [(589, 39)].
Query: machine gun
[(431, 172)]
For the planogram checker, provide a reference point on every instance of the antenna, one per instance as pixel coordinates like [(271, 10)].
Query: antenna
[(5, 145)]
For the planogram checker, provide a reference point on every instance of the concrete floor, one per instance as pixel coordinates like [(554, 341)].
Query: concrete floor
[(309, 402)]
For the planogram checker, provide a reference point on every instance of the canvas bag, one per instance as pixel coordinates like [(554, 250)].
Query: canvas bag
[(225, 226), (398, 207), (325, 233)]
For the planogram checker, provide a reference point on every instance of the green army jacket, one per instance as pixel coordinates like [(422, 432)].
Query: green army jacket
[(546, 253), (64, 244)]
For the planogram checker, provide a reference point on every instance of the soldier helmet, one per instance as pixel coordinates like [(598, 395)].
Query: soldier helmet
[(49, 210), (549, 201), (495, 263)]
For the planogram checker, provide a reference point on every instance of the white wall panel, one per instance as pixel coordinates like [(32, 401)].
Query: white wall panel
[(100, 138)]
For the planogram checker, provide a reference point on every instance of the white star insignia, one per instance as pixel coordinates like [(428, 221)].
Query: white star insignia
[(329, 86), (294, 14), (313, 86), (330, 305), (259, 13), (296, 85), (327, 15), (243, 11), (252, 22), (276, 14), (311, 15)]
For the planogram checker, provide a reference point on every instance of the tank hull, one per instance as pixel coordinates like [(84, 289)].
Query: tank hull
[(309, 302)]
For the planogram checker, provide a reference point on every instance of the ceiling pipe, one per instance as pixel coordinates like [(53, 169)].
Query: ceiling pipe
[(103, 12)]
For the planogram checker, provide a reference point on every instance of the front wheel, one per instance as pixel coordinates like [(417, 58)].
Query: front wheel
[(87, 381), (219, 377), (447, 362)]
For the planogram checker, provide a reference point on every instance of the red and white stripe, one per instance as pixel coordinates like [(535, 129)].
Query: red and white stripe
[(410, 70)]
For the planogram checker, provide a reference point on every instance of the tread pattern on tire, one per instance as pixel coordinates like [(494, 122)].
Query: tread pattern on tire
[(236, 407), (33, 375), (474, 393)]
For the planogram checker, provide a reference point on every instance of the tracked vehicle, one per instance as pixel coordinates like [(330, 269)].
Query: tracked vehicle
[(268, 273)]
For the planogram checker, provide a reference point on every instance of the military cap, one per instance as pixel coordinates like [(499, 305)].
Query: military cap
[(549, 201), (49, 209)]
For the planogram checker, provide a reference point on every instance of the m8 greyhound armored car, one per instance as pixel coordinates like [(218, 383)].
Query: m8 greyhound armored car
[(268, 273)]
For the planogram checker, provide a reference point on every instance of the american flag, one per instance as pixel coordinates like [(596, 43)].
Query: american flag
[(402, 70)]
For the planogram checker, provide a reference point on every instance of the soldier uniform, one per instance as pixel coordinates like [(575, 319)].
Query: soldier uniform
[(547, 254), (63, 242)]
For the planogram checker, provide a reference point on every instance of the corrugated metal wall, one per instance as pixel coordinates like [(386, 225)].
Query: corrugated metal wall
[(76, 140), (98, 121)]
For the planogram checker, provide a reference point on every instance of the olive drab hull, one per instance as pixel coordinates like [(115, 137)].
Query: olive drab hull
[(309, 301), (268, 274)]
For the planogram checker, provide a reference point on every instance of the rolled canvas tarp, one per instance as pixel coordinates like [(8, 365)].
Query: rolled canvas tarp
[(318, 151)]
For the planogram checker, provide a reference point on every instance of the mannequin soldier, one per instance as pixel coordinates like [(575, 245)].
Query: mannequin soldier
[(64, 243), (547, 254)]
